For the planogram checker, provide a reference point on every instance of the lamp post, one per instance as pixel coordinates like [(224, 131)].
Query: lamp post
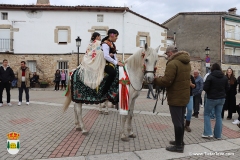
[(78, 44), (174, 39), (207, 60)]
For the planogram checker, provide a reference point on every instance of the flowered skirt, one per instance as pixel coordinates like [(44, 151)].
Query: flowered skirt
[(84, 94)]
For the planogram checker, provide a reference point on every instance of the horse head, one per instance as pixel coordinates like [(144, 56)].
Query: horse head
[(150, 57)]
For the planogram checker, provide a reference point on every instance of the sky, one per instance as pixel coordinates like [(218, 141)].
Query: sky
[(157, 10)]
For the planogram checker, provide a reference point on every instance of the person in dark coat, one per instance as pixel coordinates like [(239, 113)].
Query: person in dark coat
[(215, 86), (238, 80), (57, 79), (6, 78), (176, 80), (230, 102)]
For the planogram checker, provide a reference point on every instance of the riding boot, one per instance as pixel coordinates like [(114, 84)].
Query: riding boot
[(179, 141)]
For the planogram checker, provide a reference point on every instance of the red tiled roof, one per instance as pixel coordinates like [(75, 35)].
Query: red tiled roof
[(76, 8), (194, 13)]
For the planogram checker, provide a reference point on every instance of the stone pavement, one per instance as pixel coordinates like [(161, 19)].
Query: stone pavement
[(46, 132)]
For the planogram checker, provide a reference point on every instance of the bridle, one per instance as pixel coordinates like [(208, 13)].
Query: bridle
[(161, 89), (145, 71), (144, 67)]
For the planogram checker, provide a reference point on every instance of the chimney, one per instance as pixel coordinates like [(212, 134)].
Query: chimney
[(232, 11), (43, 2)]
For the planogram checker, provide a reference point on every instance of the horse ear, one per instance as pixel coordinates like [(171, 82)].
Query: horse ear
[(146, 46), (157, 48)]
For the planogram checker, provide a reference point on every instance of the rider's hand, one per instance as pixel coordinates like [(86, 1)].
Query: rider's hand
[(111, 54), (120, 64)]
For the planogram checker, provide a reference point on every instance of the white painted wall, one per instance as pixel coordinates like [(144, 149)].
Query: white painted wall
[(36, 33)]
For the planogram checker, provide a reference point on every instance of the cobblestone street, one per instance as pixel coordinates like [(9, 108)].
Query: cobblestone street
[(47, 132)]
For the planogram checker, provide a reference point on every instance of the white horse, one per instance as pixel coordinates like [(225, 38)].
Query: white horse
[(140, 65)]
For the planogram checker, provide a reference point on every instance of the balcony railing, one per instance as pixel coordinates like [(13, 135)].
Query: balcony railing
[(230, 59), (232, 35), (5, 45)]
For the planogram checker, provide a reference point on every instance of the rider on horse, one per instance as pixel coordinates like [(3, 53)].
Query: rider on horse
[(109, 50)]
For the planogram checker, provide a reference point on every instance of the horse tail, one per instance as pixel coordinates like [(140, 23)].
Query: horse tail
[(68, 97)]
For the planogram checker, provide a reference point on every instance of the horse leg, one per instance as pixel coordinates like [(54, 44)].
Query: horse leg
[(132, 100), (122, 134), (106, 105), (100, 108), (79, 113), (129, 120), (78, 128)]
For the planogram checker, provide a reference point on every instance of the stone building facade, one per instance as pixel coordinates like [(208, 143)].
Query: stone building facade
[(197, 30)]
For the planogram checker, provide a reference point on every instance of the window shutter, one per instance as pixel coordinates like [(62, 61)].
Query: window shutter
[(62, 36), (143, 40), (237, 52)]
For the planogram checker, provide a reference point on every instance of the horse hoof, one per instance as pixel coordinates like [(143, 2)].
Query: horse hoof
[(78, 129), (132, 136), (106, 113), (85, 133), (125, 139), (100, 112)]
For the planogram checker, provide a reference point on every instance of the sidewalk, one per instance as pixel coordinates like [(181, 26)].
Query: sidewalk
[(223, 149), (46, 132)]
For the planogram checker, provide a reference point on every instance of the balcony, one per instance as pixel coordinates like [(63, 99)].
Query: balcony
[(6, 45), (230, 59)]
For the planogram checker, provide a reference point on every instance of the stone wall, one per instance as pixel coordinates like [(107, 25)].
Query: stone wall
[(195, 32), (48, 63)]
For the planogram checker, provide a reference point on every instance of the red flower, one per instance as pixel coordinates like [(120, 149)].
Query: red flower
[(94, 55)]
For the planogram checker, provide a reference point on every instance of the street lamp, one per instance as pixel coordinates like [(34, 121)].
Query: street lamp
[(78, 44), (207, 60)]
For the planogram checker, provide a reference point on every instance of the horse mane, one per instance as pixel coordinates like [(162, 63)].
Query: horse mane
[(136, 59)]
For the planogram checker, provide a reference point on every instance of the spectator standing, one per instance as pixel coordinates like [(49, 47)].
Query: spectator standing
[(238, 84), (197, 92), (230, 102), (215, 86), (23, 75), (237, 121), (176, 80), (6, 78), (63, 79), (150, 90), (57, 79), (190, 105)]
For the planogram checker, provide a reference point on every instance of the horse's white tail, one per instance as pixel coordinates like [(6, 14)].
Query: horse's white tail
[(68, 97)]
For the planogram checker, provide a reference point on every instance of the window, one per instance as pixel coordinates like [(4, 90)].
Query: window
[(103, 33), (237, 52), (99, 18), (1, 63), (63, 65), (4, 40), (62, 36), (4, 16), (32, 65), (230, 31), (143, 41), (228, 51), (142, 38)]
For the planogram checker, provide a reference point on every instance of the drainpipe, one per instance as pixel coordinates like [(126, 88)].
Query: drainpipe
[(123, 37), (221, 40)]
